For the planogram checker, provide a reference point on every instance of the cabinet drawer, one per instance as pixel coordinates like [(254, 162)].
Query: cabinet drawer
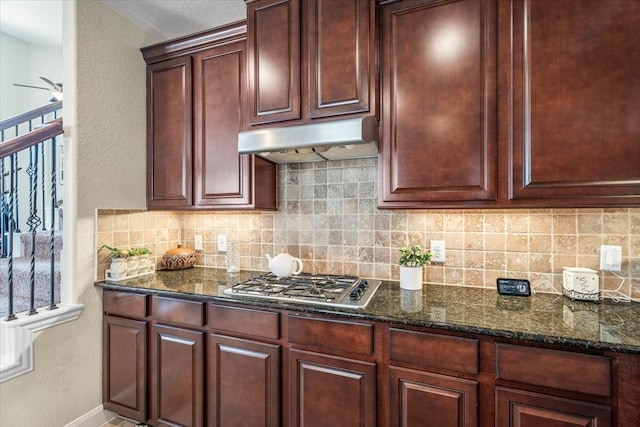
[(336, 335), (257, 323), (190, 313), (554, 368), (434, 350), (125, 304)]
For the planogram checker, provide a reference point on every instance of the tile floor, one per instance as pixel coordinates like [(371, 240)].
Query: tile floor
[(122, 422)]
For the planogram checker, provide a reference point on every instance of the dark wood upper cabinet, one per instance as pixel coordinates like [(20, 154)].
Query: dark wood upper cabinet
[(222, 176), (273, 29), (439, 115), (570, 97), (196, 101), (341, 46), (169, 143), (310, 59)]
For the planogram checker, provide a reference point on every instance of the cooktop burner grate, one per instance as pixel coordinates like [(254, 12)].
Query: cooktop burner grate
[(326, 289)]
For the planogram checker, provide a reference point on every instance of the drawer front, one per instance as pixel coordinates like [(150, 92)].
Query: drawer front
[(190, 313), (554, 368), (434, 350), (125, 304), (257, 323), (350, 337)]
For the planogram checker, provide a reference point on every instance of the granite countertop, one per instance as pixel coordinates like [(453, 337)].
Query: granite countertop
[(545, 318)]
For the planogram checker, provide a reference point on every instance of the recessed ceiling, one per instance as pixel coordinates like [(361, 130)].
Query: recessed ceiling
[(40, 21)]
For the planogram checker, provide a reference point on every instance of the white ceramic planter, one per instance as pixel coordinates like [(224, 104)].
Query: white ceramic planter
[(411, 278)]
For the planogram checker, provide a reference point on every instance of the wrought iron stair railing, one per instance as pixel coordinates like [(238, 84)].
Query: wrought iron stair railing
[(29, 170)]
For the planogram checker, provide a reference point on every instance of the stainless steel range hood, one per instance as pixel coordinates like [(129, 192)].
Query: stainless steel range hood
[(334, 140)]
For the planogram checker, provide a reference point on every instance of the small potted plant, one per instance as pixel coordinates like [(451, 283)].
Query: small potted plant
[(143, 259), (118, 260), (412, 259)]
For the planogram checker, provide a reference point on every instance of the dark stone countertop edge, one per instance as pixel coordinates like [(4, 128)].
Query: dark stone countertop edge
[(364, 315)]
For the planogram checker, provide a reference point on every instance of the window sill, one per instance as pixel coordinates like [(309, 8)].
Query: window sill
[(16, 337)]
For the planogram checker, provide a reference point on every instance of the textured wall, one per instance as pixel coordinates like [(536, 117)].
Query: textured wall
[(104, 118), (328, 217)]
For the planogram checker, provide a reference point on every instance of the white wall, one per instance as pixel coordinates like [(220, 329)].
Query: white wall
[(14, 66), (24, 63), (104, 118)]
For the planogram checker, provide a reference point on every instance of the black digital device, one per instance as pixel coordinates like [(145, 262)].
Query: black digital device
[(517, 287)]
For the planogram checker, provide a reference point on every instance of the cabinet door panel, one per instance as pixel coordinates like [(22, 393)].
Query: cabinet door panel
[(169, 151), (331, 391), (524, 409), (223, 177), (421, 398), (244, 382), (125, 367), (273, 31), (177, 359), (574, 124), (340, 56), (439, 110)]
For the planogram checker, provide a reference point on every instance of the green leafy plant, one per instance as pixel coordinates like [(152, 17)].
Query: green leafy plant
[(143, 251), (414, 256), (117, 252)]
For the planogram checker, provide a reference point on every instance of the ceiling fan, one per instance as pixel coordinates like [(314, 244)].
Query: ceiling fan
[(56, 89)]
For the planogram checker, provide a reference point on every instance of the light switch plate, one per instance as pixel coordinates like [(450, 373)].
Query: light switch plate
[(198, 242), (611, 257), (222, 243)]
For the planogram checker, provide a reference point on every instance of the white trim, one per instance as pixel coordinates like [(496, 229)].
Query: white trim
[(16, 337), (94, 418), (16, 354)]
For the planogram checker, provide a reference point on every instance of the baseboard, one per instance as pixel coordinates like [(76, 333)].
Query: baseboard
[(94, 418)]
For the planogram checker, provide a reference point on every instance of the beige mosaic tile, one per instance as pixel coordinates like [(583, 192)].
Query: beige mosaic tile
[(328, 217)]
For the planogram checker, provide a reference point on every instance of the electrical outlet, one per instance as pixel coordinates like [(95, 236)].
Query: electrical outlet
[(437, 251), (222, 243), (611, 257), (198, 242)]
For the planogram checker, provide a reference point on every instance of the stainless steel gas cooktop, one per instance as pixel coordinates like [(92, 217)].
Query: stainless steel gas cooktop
[(321, 289)]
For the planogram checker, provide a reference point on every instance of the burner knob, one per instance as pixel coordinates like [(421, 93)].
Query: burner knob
[(356, 294), (363, 284)]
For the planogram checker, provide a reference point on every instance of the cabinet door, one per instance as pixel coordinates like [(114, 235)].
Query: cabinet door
[(177, 359), (524, 409), (341, 56), (169, 173), (331, 391), (244, 382), (421, 398), (222, 176), (124, 382), (571, 115), (439, 142), (273, 31)]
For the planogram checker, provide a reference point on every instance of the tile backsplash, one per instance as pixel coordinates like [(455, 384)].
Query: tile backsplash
[(328, 217)]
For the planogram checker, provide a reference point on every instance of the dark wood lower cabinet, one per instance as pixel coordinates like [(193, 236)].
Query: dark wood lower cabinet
[(426, 399), (525, 409), (244, 382), (177, 377), (124, 387), (331, 391), (271, 368)]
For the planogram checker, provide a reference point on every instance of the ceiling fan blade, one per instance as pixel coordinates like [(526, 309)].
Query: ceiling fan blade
[(55, 86), (33, 87)]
